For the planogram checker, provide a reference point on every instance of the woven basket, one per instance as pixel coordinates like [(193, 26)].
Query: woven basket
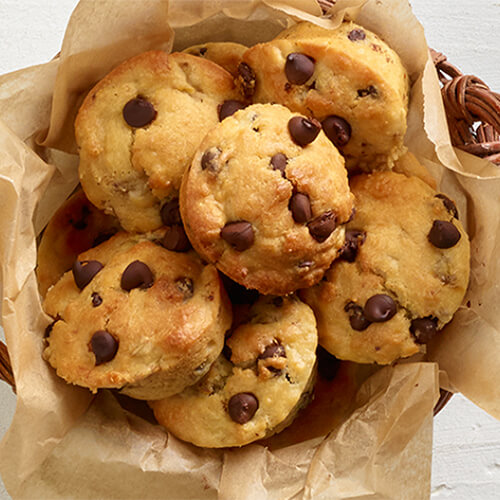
[(473, 112)]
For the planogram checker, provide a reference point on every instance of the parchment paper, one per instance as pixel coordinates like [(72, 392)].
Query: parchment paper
[(65, 444)]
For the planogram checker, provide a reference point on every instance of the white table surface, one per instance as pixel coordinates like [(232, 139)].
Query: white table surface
[(466, 453)]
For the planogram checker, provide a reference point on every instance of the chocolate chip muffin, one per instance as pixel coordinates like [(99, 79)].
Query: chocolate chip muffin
[(256, 387), (75, 227), (401, 275), (347, 78), (266, 199), (138, 129), (134, 316), (226, 54)]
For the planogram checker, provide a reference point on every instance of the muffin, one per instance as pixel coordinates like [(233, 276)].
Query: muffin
[(139, 127), (347, 78), (134, 316), (256, 387), (266, 198), (401, 275)]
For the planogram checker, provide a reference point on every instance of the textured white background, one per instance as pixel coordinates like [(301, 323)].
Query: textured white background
[(466, 440)]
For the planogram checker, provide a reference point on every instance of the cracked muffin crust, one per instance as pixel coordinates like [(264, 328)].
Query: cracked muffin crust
[(257, 386), (347, 78), (226, 54), (401, 275), (266, 198), (75, 227), (138, 128), (135, 316)]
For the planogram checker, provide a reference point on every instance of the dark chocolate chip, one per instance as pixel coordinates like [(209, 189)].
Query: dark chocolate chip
[(137, 275), (357, 318), (353, 240), (273, 351), (185, 286), (175, 239), (298, 68), (303, 130), (356, 34), (240, 235), (84, 271), (443, 234), (104, 346), (209, 160), (323, 226), (96, 299), (449, 205), (328, 365), (369, 91), (202, 51), (337, 130), (246, 79), (170, 213), (300, 206), (228, 108), (278, 162), (379, 308), (423, 329), (242, 407), (139, 112), (238, 294)]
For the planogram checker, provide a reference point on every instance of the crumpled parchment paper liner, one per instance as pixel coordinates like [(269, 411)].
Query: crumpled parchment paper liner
[(54, 448)]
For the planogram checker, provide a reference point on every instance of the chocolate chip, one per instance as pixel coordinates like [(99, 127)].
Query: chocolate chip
[(209, 160), (443, 234), (202, 51), (170, 213), (278, 162), (96, 299), (84, 271), (137, 275), (139, 112), (323, 226), (273, 351), (328, 365), (175, 239), (242, 407), (185, 286), (356, 34), (379, 308), (357, 319), (369, 91), (298, 68), (449, 205), (240, 235), (228, 108), (337, 130), (300, 206), (246, 79), (353, 240), (303, 130), (423, 329), (104, 346)]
